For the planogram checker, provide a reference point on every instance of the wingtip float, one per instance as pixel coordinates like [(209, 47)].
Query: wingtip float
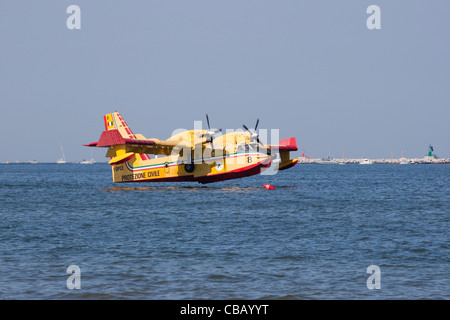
[(192, 155)]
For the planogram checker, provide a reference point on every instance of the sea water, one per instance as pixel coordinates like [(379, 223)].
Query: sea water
[(322, 233)]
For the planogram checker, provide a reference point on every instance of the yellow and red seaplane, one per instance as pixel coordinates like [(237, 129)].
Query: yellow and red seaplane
[(191, 155)]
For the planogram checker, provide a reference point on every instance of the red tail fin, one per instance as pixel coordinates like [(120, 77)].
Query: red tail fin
[(114, 121)]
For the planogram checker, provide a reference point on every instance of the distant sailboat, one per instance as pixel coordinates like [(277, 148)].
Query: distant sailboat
[(88, 161), (365, 161), (63, 159), (326, 161), (403, 160)]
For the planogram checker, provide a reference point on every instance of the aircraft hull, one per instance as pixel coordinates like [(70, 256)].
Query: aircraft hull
[(190, 155), (205, 171)]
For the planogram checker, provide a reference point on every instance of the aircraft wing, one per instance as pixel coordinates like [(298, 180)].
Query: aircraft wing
[(289, 144), (139, 144), (123, 144)]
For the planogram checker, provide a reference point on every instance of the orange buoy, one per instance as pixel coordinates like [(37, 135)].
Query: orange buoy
[(269, 187)]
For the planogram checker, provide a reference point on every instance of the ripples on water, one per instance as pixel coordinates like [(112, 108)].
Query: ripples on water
[(311, 238)]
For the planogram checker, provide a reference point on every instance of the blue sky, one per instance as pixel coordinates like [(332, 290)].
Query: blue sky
[(311, 69)]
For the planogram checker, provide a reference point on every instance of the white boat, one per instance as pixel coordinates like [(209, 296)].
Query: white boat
[(326, 161), (32, 162), (87, 161), (404, 161), (63, 159), (365, 161)]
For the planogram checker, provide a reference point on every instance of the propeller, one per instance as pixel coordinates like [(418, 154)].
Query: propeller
[(209, 134), (253, 135)]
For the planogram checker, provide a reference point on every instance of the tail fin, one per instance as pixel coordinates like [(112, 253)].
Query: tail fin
[(114, 121)]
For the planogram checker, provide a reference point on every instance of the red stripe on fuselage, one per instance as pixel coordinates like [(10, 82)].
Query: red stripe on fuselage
[(234, 174)]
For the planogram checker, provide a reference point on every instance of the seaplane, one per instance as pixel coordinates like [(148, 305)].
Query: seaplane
[(199, 155)]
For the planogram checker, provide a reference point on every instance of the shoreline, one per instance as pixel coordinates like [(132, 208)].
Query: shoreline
[(425, 160)]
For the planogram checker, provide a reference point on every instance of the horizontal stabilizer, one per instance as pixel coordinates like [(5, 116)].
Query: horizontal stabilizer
[(113, 137)]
